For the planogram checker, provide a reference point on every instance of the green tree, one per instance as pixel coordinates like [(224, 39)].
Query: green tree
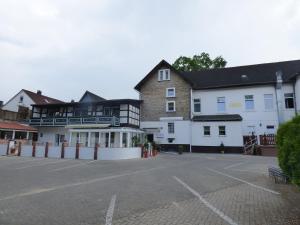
[(198, 62), (288, 143)]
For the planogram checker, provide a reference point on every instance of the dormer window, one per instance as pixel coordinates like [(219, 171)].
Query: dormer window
[(163, 75)]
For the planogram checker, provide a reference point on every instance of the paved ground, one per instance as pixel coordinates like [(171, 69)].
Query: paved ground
[(170, 189)]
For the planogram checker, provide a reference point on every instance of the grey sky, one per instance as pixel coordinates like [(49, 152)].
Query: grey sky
[(106, 46)]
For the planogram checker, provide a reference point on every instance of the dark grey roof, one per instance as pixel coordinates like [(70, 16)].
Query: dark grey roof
[(233, 76), (257, 74), (221, 117), (90, 97)]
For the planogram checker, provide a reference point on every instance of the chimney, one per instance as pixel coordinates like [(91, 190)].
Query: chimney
[(39, 92), (72, 101)]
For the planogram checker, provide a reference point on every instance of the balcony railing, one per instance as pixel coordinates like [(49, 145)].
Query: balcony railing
[(112, 120)]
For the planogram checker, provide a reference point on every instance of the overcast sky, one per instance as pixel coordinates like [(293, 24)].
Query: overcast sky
[(66, 47)]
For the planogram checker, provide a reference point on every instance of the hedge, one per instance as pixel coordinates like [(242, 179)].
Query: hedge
[(288, 143)]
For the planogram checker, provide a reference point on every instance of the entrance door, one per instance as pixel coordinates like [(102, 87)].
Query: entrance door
[(150, 137)]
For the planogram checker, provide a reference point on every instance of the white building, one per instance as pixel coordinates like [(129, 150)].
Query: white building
[(206, 109)]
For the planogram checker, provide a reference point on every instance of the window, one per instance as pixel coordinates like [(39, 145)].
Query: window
[(249, 102), (171, 106), (289, 100), (197, 105), (21, 99), (221, 104), (268, 101), (170, 92), (222, 130), (163, 75), (206, 130), (171, 128)]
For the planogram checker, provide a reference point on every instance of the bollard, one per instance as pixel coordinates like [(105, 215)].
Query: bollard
[(62, 151), (33, 149), (77, 151), (19, 148), (46, 149), (96, 152), (7, 150)]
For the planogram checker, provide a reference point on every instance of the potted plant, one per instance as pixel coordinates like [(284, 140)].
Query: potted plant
[(180, 149), (222, 147)]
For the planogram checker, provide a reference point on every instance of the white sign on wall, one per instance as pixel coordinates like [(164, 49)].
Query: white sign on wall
[(159, 135)]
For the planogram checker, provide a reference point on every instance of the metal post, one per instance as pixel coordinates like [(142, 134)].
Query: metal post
[(109, 139), (121, 139), (89, 139)]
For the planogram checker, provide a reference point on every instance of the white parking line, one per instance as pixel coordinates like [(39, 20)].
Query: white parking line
[(72, 166), (110, 211), (43, 190), (206, 203), (234, 165), (244, 181), (43, 164)]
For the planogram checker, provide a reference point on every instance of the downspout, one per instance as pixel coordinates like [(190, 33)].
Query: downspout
[(191, 119), (279, 95)]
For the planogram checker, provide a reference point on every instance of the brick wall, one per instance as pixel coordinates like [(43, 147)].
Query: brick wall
[(153, 94)]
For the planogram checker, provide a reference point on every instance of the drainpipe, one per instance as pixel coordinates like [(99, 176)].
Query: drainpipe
[(191, 118), (279, 95)]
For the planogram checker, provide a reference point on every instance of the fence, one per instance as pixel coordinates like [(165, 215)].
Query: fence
[(267, 139), (78, 152)]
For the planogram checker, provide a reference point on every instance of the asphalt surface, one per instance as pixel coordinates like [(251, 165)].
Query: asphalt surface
[(169, 189)]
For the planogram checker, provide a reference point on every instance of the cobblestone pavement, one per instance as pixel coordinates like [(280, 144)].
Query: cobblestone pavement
[(170, 189)]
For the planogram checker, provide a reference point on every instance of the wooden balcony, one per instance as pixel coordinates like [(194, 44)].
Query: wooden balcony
[(57, 122)]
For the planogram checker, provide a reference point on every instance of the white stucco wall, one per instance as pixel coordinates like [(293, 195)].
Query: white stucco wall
[(70, 152), (161, 135), (119, 153), (86, 153), (233, 135), (256, 120), (3, 149), (54, 152), (40, 151), (14, 103), (26, 150), (48, 134)]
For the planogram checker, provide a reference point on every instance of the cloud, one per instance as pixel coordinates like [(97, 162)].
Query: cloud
[(66, 47)]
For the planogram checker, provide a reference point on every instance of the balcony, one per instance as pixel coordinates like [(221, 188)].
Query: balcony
[(58, 122)]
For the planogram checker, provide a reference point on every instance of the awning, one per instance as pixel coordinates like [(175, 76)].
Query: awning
[(216, 118)]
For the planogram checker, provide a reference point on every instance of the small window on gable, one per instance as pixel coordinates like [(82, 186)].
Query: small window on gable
[(164, 74), (197, 105), (289, 100), (170, 93), (21, 99), (206, 130), (222, 130)]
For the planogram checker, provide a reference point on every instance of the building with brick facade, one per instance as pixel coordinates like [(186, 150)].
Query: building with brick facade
[(217, 109)]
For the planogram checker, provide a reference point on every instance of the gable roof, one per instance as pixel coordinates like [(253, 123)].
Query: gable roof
[(15, 126), (162, 63), (90, 97), (41, 99), (256, 74)]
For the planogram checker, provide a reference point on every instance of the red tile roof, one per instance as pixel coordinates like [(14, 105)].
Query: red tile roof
[(15, 126), (41, 99)]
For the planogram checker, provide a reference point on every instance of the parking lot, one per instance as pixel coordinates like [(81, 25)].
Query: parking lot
[(169, 189)]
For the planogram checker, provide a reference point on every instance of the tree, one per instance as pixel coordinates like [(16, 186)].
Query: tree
[(198, 62), (288, 143)]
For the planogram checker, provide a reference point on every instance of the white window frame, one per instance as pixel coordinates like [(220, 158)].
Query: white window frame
[(221, 102), (167, 106), (289, 97), (164, 76), (197, 103), (172, 125), (222, 135), (267, 97), (252, 109), (206, 135), (167, 92)]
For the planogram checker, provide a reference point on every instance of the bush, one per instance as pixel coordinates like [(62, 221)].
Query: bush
[(288, 143)]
